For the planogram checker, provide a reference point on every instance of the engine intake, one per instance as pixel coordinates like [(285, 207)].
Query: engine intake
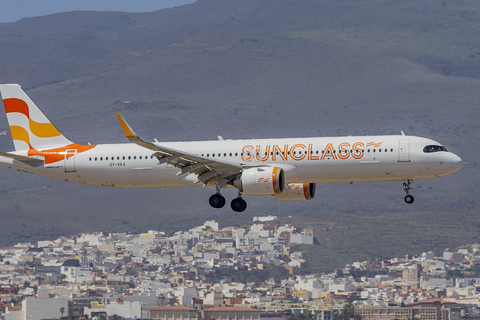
[(261, 180), (297, 191)]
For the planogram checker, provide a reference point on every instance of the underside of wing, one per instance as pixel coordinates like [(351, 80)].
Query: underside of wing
[(205, 169)]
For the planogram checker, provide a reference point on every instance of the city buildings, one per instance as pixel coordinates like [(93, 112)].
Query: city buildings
[(230, 273)]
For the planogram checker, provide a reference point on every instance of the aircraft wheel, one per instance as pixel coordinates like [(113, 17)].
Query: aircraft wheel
[(238, 205), (217, 201), (409, 199)]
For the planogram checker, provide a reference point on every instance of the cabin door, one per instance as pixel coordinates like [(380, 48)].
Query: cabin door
[(404, 150), (70, 160)]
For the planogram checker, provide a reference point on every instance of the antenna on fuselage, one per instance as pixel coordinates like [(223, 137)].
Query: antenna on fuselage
[(402, 132)]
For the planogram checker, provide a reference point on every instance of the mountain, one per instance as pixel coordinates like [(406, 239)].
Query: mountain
[(250, 69)]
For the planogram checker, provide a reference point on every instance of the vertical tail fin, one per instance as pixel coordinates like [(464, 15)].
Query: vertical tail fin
[(30, 128)]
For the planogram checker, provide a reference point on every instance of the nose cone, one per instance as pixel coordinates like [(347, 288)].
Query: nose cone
[(453, 162)]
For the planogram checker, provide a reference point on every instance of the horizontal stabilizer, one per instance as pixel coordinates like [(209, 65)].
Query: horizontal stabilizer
[(27, 160)]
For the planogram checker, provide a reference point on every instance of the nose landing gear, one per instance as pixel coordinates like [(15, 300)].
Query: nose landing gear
[(406, 186)]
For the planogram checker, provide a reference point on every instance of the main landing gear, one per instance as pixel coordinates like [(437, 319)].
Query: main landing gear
[(217, 201), (237, 204), (406, 186)]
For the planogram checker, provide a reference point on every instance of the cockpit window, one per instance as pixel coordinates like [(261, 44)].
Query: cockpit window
[(429, 149)]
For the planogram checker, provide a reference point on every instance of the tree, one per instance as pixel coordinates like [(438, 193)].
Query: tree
[(62, 310), (71, 263), (348, 313), (297, 315), (339, 273)]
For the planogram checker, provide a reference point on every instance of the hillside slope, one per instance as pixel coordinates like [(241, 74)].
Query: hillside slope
[(246, 69)]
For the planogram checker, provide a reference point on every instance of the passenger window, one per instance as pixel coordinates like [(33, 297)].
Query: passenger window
[(89, 159), (368, 150), (224, 154), (230, 154), (236, 154), (134, 157), (391, 150), (379, 150), (373, 150), (140, 157), (95, 158), (129, 157), (213, 154), (208, 155)]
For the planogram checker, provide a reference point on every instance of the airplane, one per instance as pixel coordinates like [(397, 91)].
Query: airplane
[(287, 169)]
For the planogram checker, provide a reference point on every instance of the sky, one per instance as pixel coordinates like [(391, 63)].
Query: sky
[(13, 10)]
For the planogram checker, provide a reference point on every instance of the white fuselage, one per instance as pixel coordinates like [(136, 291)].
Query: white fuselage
[(305, 160)]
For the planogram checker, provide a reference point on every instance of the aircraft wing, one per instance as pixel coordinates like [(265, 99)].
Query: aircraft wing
[(205, 168)]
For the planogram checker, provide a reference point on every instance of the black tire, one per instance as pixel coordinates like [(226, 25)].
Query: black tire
[(217, 201), (409, 199), (238, 205)]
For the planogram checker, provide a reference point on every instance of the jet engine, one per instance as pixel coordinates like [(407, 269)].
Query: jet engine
[(261, 180), (297, 191)]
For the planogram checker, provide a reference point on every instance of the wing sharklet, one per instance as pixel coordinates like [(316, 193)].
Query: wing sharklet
[(126, 128)]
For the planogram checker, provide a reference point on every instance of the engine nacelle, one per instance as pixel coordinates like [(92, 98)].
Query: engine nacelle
[(297, 191), (261, 180)]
